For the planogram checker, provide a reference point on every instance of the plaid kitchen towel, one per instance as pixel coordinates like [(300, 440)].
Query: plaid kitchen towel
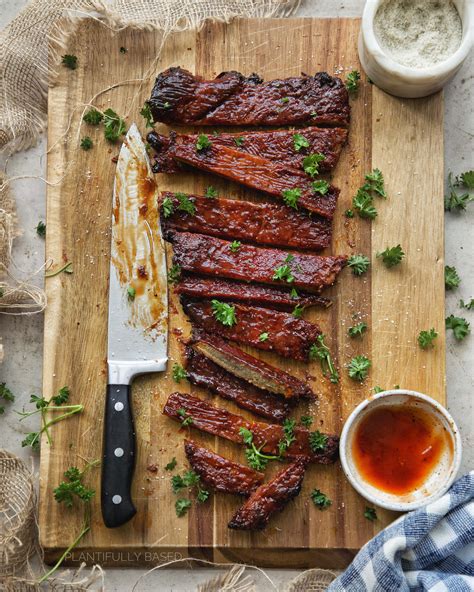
[(428, 549)]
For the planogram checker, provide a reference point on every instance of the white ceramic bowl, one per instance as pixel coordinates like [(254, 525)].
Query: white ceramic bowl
[(403, 81), (442, 475)]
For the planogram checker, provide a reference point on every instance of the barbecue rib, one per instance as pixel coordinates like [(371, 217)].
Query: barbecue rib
[(277, 145), (259, 173), (268, 296), (208, 255), (251, 369), (266, 223), (221, 473), (264, 329), (270, 498), (220, 422), (232, 99), (205, 373)]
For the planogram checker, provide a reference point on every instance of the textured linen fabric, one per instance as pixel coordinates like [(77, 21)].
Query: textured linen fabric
[(430, 549)]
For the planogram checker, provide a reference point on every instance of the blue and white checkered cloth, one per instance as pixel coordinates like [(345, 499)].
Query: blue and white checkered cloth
[(428, 549)]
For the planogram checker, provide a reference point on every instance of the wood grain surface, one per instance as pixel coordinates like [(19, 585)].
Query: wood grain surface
[(404, 138)]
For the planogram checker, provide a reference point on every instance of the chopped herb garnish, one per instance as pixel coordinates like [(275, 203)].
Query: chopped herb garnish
[(426, 338), (186, 419), (317, 441), (224, 313), (357, 330), (41, 229), (5, 395), (284, 274), (255, 458), (352, 81), (363, 203), (203, 142), (451, 278), (73, 488), (320, 186), (179, 373), (467, 179), (114, 125), (211, 192), (171, 465), (147, 115), (459, 201), (131, 293), (320, 499), (86, 143), (359, 367), (70, 61), (297, 311), (293, 293), (306, 421), (459, 326), (320, 351), (182, 505), (174, 274), (376, 182), (291, 197), (469, 305), (239, 140), (235, 246), (123, 50), (299, 142), (370, 514), (392, 256), (288, 436), (167, 207), (185, 204), (311, 163), (359, 264), (284, 99), (349, 213), (93, 117), (378, 389), (263, 336)]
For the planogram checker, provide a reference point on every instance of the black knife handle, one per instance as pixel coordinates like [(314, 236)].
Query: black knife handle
[(118, 458)]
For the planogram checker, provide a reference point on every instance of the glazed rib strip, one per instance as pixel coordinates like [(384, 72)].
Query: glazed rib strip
[(277, 145), (206, 255), (204, 373), (282, 333), (232, 99), (221, 473), (268, 296), (248, 368), (221, 422), (259, 173), (266, 223), (270, 498)]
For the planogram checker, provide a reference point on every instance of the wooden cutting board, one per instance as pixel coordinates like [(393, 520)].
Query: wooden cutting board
[(404, 138)]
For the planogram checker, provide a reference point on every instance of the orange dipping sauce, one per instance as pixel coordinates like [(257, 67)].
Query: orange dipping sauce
[(395, 448)]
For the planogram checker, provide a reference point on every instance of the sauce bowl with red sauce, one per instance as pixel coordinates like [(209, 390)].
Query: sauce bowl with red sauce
[(400, 449)]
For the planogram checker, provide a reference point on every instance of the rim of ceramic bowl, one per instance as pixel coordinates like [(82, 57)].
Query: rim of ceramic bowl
[(416, 74), (356, 482)]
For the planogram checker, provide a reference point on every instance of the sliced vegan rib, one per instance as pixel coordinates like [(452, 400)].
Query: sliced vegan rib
[(282, 333), (268, 296), (207, 255), (221, 473), (266, 223), (233, 99), (206, 374), (270, 177), (276, 145), (251, 369), (220, 422), (270, 498)]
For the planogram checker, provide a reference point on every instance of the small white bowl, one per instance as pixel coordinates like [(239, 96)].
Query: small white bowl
[(403, 81), (442, 475)]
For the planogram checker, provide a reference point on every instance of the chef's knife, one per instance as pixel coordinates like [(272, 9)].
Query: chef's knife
[(138, 315)]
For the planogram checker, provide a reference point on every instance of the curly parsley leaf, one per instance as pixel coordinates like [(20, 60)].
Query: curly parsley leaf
[(6, 395), (171, 465), (167, 207), (86, 143), (352, 81), (73, 487), (363, 202), (320, 499), (61, 397), (357, 330), (179, 373), (467, 179), (468, 305), (174, 274), (211, 192), (451, 278), (299, 142), (291, 197), (114, 125), (317, 441), (311, 163), (376, 182), (392, 256), (238, 141), (235, 246), (284, 272), (263, 336), (185, 204), (370, 514), (320, 351), (359, 264), (203, 142), (288, 436), (41, 229), (224, 313), (459, 326), (359, 368), (297, 312), (306, 421), (186, 419), (70, 61), (458, 201), (145, 112), (182, 506), (320, 186), (93, 117), (426, 338)]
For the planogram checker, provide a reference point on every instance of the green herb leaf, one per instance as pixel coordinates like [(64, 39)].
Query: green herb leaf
[(352, 81), (182, 506), (370, 514), (70, 61), (179, 373), (6, 395), (284, 274), (202, 496), (320, 186), (320, 351), (247, 436), (459, 326), (93, 117), (174, 274), (239, 141), (86, 143), (376, 182), (41, 229), (73, 487), (185, 204), (357, 330), (426, 338), (33, 440), (186, 419), (378, 389), (224, 313), (123, 50), (171, 465), (320, 499), (291, 197), (311, 163), (458, 201), (167, 207), (62, 396), (392, 256), (131, 293), (147, 115), (349, 214), (114, 125), (263, 337), (306, 420), (235, 246), (299, 142), (203, 142), (288, 436), (297, 312), (211, 192), (317, 441), (467, 179), (284, 99), (293, 293), (359, 368), (469, 305), (451, 278), (359, 264), (362, 202)]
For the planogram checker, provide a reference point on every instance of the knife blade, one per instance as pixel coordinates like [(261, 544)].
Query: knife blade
[(137, 318)]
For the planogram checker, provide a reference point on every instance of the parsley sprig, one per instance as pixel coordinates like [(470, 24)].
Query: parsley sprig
[(189, 480), (392, 256), (174, 273), (311, 163), (352, 81), (459, 326), (317, 441), (456, 201), (288, 436), (363, 201), (41, 229), (203, 142), (426, 338), (291, 197), (320, 351), (224, 313), (451, 278), (370, 514), (185, 418), (299, 142), (70, 61), (6, 395), (358, 263), (255, 458), (357, 330), (147, 115), (359, 367), (179, 373), (320, 499)]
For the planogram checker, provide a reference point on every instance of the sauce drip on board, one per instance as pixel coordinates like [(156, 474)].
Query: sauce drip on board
[(396, 448)]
